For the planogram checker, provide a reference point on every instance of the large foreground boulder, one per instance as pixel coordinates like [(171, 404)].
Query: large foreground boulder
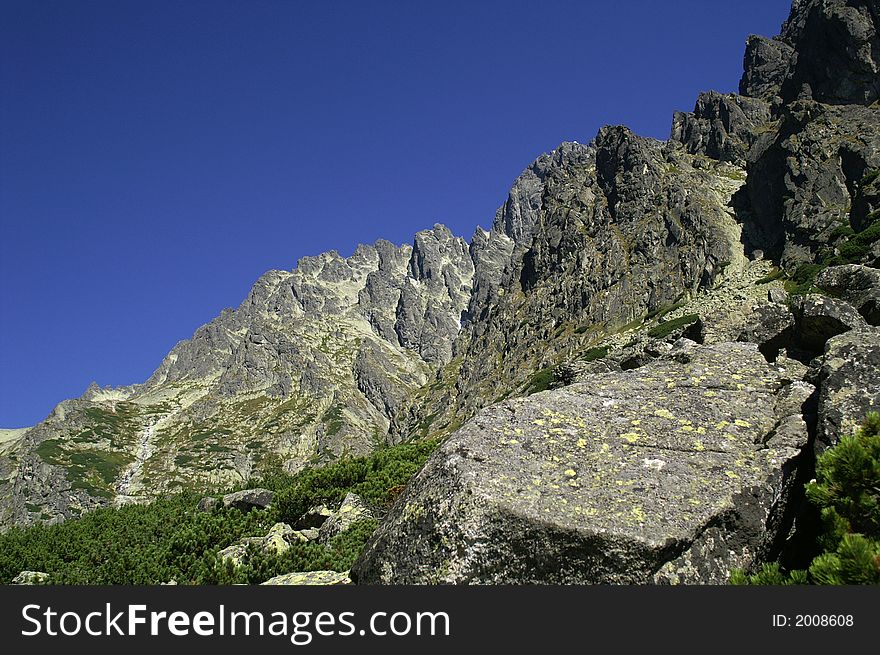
[(672, 473)]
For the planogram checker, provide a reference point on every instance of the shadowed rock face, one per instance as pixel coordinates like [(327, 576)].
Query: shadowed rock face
[(674, 472), (828, 51), (804, 178), (849, 380), (722, 127)]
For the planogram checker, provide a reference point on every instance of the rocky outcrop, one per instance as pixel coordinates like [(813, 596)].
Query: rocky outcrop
[(819, 318), (849, 382), (722, 127), (314, 363), (803, 179), (836, 57), (674, 472), (351, 510), (249, 499), (858, 285), (828, 51), (765, 66)]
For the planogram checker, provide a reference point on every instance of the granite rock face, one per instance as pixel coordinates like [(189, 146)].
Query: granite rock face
[(858, 285), (632, 395), (722, 127), (849, 382), (313, 364), (669, 473), (828, 51), (804, 179)]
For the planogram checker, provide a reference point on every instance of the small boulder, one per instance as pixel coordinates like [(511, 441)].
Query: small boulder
[(308, 535), (352, 510), (310, 578), (31, 578), (235, 553), (249, 499), (858, 285), (771, 328), (207, 504), (314, 518), (819, 318)]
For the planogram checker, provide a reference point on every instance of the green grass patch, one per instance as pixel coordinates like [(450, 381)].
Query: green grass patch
[(332, 420), (668, 327), (540, 381), (772, 276), (662, 311), (593, 354)]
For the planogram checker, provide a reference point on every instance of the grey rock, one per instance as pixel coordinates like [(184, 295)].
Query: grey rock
[(777, 295), (837, 52), (310, 578), (765, 66), (661, 474), (772, 329), (249, 499), (819, 318), (803, 178), (314, 518), (858, 285), (31, 578), (849, 383), (828, 51), (236, 553), (723, 127), (207, 504), (352, 510)]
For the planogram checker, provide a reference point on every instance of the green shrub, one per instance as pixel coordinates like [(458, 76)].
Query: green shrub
[(540, 381), (593, 354), (847, 493), (373, 478), (663, 310), (170, 539), (775, 274), (667, 328)]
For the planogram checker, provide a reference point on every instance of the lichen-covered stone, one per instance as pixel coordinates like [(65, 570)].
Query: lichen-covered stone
[(858, 285), (673, 472), (849, 382), (31, 578), (352, 510), (310, 578), (249, 499), (819, 318)]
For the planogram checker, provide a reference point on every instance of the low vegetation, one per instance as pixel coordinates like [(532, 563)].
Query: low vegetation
[(668, 327), (170, 539), (540, 381), (846, 492)]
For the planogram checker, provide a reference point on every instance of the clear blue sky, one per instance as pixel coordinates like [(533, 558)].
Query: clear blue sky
[(157, 156)]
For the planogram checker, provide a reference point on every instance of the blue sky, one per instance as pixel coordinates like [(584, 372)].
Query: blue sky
[(157, 157)]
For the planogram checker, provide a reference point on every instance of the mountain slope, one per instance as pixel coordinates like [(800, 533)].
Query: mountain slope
[(594, 245)]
